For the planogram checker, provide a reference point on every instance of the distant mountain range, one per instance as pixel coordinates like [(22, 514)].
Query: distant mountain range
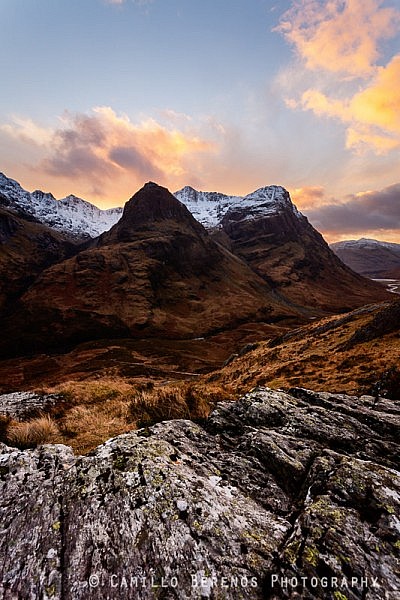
[(157, 272), (371, 258)]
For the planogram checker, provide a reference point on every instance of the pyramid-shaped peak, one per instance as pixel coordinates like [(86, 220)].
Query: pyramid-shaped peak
[(154, 203), (151, 208)]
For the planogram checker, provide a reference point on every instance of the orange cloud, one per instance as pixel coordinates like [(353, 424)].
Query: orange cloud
[(106, 154), (340, 41), (337, 36), (372, 115), (308, 196)]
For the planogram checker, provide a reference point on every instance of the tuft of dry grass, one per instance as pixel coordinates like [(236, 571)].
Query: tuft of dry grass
[(99, 409), (85, 427), (29, 434), (177, 401), (94, 391)]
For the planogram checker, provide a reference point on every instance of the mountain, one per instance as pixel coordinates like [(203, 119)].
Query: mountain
[(264, 229), (71, 215), (209, 208), (267, 231), (155, 273), (26, 249), (371, 258)]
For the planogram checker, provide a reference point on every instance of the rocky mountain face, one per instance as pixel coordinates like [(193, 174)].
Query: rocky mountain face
[(70, 216), (155, 273), (371, 258), (279, 495), (26, 248), (267, 231), (209, 208)]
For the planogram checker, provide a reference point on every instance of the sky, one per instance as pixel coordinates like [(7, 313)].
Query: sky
[(100, 96)]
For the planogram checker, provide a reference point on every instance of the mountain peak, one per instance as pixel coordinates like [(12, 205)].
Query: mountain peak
[(40, 195), (209, 208), (154, 203), (151, 205)]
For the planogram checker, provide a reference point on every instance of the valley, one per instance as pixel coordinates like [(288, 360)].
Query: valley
[(392, 285)]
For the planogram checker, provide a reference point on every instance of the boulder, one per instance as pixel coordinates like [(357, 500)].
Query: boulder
[(277, 495)]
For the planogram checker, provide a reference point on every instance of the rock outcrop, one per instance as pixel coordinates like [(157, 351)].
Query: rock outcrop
[(276, 496), (22, 405)]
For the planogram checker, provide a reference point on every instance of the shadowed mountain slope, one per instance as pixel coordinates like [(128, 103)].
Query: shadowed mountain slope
[(281, 246), (27, 247)]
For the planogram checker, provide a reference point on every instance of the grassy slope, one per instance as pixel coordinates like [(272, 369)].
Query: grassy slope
[(318, 356), (346, 353)]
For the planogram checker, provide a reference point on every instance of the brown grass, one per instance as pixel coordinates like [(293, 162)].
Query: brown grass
[(316, 360), (176, 401), (29, 434), (96, 410)]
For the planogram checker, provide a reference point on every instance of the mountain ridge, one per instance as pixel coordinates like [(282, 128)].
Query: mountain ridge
[(70, 215), (369, 257), (264, 229)]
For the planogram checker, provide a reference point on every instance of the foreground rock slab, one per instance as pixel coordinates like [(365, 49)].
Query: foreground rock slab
[(275, 496)]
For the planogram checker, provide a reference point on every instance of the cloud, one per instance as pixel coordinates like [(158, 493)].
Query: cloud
[(105, 151), (339, 36), (128, 157), (372, 211), (337, 44), (26, 130), (308, 196), (372, 115)]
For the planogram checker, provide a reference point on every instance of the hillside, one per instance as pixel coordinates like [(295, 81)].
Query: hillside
[(27, 247), (371, 258), (351, 354)]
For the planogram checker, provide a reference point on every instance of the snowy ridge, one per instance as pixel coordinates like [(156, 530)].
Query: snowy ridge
[(210, 207), (81, 219), (365, 244), (70, 215)]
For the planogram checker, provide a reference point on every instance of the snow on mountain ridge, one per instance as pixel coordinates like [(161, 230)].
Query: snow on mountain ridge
[(71, 215), (364, 243), (210, 207), (81, 219)]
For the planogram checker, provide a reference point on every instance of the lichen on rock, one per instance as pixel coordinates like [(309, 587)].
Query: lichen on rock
[(276, 496)]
